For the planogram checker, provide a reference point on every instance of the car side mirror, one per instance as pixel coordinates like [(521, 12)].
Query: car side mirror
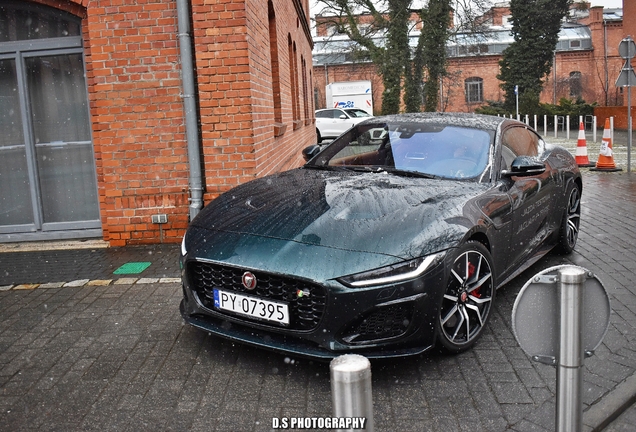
[(343, 117), (525, 166), (311, 151)]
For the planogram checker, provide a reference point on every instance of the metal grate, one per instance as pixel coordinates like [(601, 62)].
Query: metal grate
[(383, 323), (306, 301)]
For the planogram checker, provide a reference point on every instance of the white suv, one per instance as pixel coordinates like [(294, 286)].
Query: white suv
[(332, 122)]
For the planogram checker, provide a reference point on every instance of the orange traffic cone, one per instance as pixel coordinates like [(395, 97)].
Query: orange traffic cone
[(605, 160), (581, 149)]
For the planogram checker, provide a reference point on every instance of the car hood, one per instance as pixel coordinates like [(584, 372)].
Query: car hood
[(324, 224)]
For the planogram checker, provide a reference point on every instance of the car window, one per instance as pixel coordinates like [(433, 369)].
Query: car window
[(356, 112), (519, 141), (439, 150), (324, 114), (331, 113)]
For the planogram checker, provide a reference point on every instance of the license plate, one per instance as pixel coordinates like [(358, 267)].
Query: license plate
[(251, 306)]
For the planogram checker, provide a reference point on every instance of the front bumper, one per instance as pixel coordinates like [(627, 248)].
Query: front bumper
[(385, 321)]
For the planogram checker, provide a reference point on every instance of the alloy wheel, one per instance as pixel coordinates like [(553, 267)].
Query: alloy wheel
[(573, 217), (467, 300)]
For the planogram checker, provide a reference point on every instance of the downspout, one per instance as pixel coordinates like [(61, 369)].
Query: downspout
[(190, 108), (605, 66), (554, 78)]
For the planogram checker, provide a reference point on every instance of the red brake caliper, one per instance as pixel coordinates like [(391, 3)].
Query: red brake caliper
[(471, 272)]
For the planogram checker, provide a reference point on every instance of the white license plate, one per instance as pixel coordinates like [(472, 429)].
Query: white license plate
[(251, 306)]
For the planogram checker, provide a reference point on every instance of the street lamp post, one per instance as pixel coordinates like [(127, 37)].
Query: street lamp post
[(627, 78), (517, 97)]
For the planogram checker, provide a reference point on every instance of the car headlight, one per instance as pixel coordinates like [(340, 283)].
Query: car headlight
[(393, 273), (183, 247)]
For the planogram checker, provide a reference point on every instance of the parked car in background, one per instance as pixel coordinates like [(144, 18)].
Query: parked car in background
[(393, 237), (332, 122)]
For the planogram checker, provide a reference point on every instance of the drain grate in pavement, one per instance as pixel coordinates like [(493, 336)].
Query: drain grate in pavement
[(132, 268)]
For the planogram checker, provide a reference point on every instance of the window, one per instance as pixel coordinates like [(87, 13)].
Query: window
[(519, 141), (576, 88), (336, 113), (293, 79), (330, 113), (474, 90), (273, 50), (332, 29), (303, 66), (25, 21)]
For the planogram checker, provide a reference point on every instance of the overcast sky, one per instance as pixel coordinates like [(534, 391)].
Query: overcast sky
[(315, 8), (608, 3)]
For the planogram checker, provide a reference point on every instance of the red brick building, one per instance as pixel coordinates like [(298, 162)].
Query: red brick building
[(92, 96), (586, 62)]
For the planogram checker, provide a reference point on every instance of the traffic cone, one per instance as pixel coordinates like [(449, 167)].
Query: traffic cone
[(605, 160), (581, 149)]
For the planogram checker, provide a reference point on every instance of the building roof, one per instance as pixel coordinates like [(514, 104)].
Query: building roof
[(339, 49)]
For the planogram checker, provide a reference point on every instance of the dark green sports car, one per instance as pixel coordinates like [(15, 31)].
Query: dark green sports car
[(390, 239)]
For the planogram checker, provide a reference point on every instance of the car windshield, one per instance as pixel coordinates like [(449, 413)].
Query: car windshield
[(437, 150), (355, 112)]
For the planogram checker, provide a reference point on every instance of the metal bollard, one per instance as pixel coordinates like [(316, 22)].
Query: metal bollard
[(569, 406), (351, 388)]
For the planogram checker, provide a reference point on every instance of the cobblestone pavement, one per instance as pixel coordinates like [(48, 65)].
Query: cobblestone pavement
[(38, 264), (116, 356)]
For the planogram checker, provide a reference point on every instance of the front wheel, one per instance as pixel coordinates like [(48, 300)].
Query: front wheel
[(468, 298)]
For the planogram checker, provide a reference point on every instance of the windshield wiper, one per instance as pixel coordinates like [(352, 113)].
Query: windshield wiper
[(373, 169), (366, 168), (406, 173)]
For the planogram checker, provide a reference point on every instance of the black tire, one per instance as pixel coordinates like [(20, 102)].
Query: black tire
[(469, 296), (318, 137), (569, 231)]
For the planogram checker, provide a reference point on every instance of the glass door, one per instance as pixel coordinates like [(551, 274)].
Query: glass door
[(62, 138), (48, 182), (16, 200)]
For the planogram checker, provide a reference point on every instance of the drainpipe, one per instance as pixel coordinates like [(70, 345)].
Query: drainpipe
[(190, 108), (605, 62), (554, 79)]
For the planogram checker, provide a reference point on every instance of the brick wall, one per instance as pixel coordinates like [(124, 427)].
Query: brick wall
[(134, 83), (137, 118), (459, 69), (590, 64), (235, 91)]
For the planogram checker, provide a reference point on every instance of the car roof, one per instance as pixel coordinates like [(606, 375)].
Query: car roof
[(478, 121)]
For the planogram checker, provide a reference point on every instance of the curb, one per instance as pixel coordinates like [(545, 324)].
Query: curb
[(611, 406), (53, 245), (87, 282)]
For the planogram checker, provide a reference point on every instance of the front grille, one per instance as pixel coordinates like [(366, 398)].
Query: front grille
[(383, 323), (305, 311)]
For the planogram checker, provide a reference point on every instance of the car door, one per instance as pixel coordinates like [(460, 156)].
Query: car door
[(341, 122), (327, 122), (530, 196)]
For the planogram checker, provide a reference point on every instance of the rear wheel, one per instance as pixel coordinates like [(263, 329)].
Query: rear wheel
[(468, 298), (569, 232), (318, 137)]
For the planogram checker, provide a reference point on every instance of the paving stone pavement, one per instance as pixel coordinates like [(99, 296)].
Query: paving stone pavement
[(43, 265), (117, 356)]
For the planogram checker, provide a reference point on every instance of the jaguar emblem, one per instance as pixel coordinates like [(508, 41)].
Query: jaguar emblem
[(249, 280)]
